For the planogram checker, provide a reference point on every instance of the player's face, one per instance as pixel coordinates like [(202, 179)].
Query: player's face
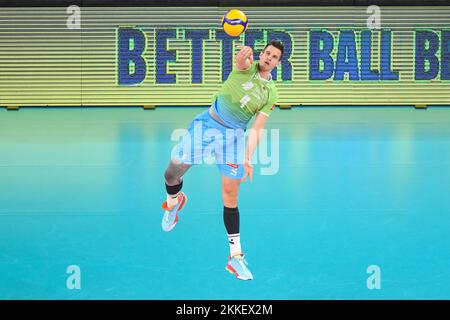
[(269, 58)]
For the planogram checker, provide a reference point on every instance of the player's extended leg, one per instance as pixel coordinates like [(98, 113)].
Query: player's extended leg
[(236, 262), (176, 199)]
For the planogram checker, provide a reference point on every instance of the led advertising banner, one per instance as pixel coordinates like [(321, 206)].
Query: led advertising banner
[(138, 56)]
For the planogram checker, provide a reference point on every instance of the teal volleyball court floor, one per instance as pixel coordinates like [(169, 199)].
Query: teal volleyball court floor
[(355, 187)]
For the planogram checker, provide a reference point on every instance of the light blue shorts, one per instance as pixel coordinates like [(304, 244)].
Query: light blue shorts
[(207, 141)]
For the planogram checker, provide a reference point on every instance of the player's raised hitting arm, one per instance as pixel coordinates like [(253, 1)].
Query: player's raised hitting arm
[(244, 58)]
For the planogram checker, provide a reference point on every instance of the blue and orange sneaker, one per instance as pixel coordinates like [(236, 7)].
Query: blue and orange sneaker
[(239, 267), (170, 217)]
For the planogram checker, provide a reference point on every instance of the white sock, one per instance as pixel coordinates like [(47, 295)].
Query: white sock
[(234, 241), (172, 199)]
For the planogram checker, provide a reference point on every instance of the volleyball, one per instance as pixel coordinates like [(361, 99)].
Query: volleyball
[(234, 22)]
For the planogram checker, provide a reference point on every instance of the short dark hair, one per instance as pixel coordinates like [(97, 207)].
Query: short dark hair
[(277, 44)]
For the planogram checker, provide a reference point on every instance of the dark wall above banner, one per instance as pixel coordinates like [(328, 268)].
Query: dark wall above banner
[(217, 3)]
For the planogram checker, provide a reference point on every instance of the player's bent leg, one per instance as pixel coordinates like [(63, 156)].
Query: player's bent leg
[(187, 152), (175, 198), (174, 173)]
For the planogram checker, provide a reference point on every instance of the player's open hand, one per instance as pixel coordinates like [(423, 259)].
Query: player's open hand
[(248, 171)]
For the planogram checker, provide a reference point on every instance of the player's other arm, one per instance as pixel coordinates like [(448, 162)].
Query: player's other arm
[(244, 58), (255, 134), (253, 140)]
